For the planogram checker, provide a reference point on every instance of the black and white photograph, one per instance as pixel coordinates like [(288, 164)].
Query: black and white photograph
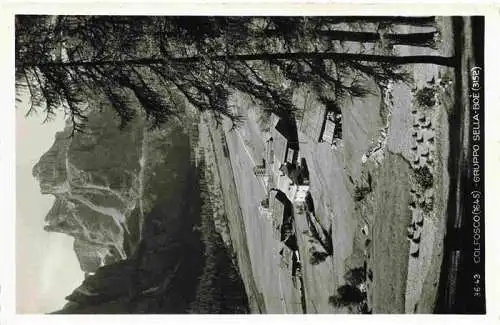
[(261, 164)]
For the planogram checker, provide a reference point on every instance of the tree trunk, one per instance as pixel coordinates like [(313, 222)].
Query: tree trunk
[(413, 39), (338, 57), (427, 21)]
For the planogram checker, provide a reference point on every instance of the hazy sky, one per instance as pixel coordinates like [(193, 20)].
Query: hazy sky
[(46, 267)]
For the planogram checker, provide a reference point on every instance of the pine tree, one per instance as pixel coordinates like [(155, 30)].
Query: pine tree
[(157, 62)]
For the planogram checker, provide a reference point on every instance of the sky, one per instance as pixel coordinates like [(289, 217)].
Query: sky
[(47, 269)]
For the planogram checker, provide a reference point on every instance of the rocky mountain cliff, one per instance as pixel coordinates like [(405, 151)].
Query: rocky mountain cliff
[(144, 235), (95, 178), (181, 264), (104, 182)]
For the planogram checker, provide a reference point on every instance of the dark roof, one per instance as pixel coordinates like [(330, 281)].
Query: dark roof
[(280, 196), (288, 128), (285, 213), (286, 229)]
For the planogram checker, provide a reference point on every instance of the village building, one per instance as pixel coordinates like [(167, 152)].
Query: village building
[(284, 230), (331, 129), (261, 169), (319, 121), (282, 168), (290, 260), (285, 141), (282, 214), (286, 177), (282, 149)]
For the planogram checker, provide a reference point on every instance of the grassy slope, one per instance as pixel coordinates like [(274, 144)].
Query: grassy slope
[(429, 287), (390, 247), (330, 187), (209, 133), (331, 190), (332, 193), (424, 271)]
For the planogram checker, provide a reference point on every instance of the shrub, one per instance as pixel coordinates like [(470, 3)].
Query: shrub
[(428, 206), (426, 97), (355, 276), (360, 193), (347, 295), (310, 204), (424, 177), (320, 234), (335, 301), (331, 105), (364, 309), (318, 257), (370, 274)]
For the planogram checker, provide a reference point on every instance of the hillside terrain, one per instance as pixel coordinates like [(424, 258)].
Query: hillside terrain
[(340, 205), (368, 190)]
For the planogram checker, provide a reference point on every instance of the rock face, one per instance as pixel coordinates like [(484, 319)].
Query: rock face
[(161, 275), (181, 264), (96, 180), (144, 236)]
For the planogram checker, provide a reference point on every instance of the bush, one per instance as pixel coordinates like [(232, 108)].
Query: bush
[(335, 301), (355, 276), (426, 97), (364, 309), (330, 105), (318, 257), (428, 206), (424, 177), (347, 295), (310, 204), (360, 193), (320, 234), (370, 274)]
